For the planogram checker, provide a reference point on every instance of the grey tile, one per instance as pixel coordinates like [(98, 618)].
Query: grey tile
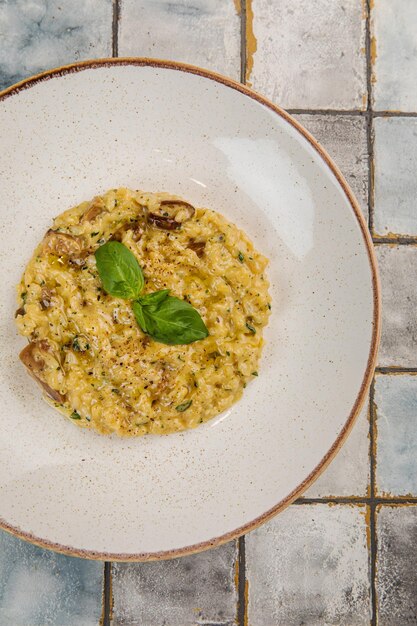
[(345, 140), (40, 35), (395, 152), (309, 565), (398, 271), (396, 401), (396, 581), (394, 36), (308, 54), (348, 474), (202, 32), (192, 590), (40, 588)]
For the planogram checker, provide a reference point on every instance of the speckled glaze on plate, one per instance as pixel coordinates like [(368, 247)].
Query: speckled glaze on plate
[(74, 132)]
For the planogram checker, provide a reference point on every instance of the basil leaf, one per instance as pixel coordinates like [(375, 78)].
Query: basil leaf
[(153, 298), (140, 318), (119, 270), (171, 321)]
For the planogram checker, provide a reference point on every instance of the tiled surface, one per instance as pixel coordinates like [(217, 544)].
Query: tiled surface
[(306, 54), (396, 402), (315, 563), (348, 474), (300, 568), (41, 588), (345, 140), (395, 55), (202, 32), (395, 150), (198, 589), (396, 571), (39, 34), (398, 269)]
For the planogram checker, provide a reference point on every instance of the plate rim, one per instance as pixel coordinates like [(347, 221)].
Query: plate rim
[(376, 321)]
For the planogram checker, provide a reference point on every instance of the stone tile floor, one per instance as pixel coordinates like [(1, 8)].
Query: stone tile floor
[(345, 552)]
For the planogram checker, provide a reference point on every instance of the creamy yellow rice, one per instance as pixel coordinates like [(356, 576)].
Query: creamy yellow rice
[(86, 349)]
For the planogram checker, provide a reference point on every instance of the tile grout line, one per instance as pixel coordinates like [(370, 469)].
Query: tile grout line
[(399, 241), (241, 616), (394, 114), (369, 125), (334, 112), (243, 62), (373, 500), (115, 28), (351, 112), (357, 500), (107, 595), (394, 369)]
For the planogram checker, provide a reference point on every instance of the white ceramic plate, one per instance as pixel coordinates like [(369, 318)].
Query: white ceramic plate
[(74, 132)]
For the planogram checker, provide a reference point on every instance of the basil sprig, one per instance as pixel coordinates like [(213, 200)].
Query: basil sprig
[(163, 317)]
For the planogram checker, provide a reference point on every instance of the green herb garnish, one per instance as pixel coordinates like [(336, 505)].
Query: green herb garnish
[(75, 415), (24, 296), (241, 257), (119, 271), (163, 317), (255, 374), (76, 345), (168, 319), (80, 347), (251, 328), (184, 406)]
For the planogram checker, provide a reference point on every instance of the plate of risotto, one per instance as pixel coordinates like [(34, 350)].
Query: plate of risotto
[(190, 309)]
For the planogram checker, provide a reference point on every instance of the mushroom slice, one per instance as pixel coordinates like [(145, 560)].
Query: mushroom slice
[(62, 244), (35, 356), (162, 222), (135, 227), (197, 247), (172, 213), (95, 209)]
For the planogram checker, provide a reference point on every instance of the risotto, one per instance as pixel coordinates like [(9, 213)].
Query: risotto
[(97, 358)]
